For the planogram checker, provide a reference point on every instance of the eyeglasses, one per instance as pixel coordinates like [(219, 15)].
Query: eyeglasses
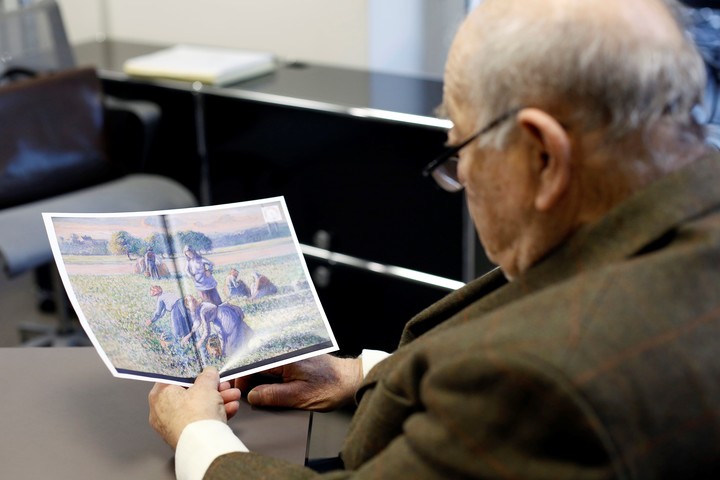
[(443, 169)]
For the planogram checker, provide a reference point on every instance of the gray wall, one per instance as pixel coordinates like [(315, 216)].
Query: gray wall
[(399, 36)]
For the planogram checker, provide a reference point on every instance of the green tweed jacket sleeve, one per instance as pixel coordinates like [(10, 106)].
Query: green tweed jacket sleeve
[(600, 362)]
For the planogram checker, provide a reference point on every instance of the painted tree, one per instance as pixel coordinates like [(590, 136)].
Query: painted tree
[(122, 243), (198, 241), (160, 243)]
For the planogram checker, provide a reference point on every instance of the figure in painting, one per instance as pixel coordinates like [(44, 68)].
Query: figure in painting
[(172, 303), (140, 267), (235, 286), (221, 329), (262, 286), (150, 264), (200, 269)]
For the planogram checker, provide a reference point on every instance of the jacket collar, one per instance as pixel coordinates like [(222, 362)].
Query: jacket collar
[(627, 230)]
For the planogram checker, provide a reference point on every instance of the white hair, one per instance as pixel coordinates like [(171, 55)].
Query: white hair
[(607, 77)]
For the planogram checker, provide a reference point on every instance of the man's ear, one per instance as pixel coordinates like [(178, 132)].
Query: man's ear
[(550, 148)]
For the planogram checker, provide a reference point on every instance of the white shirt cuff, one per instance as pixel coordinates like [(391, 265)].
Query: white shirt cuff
[(200, 444), (370, 358)]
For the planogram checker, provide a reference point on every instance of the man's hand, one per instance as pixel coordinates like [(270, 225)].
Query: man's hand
[(319, 383), (172, 408)]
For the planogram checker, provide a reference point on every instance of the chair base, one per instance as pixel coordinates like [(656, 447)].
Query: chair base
[(37, 335), (66, 332)]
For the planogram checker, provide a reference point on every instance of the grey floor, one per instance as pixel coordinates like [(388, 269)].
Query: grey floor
[(18, 307)]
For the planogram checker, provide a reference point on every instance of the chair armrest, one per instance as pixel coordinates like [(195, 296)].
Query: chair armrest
[(23, 240)]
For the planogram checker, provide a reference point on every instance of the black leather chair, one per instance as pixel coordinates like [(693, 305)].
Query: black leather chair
[(65, 147)]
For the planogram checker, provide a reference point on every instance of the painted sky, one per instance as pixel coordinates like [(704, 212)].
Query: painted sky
[(208, 221)]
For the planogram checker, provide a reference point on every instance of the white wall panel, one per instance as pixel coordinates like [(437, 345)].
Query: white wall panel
[(397, 36), (319, 31)]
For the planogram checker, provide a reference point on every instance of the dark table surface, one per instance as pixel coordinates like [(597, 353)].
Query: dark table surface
[(65, 416), (320, 87)]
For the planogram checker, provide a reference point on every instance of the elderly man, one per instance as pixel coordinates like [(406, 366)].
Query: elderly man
[(593, 352)]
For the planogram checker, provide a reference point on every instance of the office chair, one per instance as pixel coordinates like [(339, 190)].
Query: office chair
[(712, 104), (106, 142), (703, 24)]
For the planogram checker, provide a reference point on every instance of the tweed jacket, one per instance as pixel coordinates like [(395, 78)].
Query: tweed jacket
[(601, 361)]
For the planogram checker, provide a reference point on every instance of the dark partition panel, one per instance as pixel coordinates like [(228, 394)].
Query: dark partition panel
[(321, 137), (174, 151), (355, 182), (365, 309), (352, 186)]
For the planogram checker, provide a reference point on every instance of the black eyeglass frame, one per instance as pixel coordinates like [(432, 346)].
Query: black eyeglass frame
[(452, 151)]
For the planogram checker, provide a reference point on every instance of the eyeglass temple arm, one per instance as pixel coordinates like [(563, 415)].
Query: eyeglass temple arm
[(454, 150), (447, 154)]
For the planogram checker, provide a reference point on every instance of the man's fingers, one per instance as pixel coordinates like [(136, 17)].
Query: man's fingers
[(231, 408), (156, 389), (277, 371), (275, 395), (209, 378), (271, 375), (263, 396), (230, 395), (243, 383)]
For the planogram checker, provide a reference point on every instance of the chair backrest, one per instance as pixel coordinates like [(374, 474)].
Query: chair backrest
[(112, 139), (32, 36), (53, 139)]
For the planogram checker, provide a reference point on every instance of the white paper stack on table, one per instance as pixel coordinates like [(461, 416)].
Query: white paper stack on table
[(210, 65)]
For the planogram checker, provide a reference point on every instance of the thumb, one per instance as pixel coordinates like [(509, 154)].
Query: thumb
[(209, 378), (274, 395)]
